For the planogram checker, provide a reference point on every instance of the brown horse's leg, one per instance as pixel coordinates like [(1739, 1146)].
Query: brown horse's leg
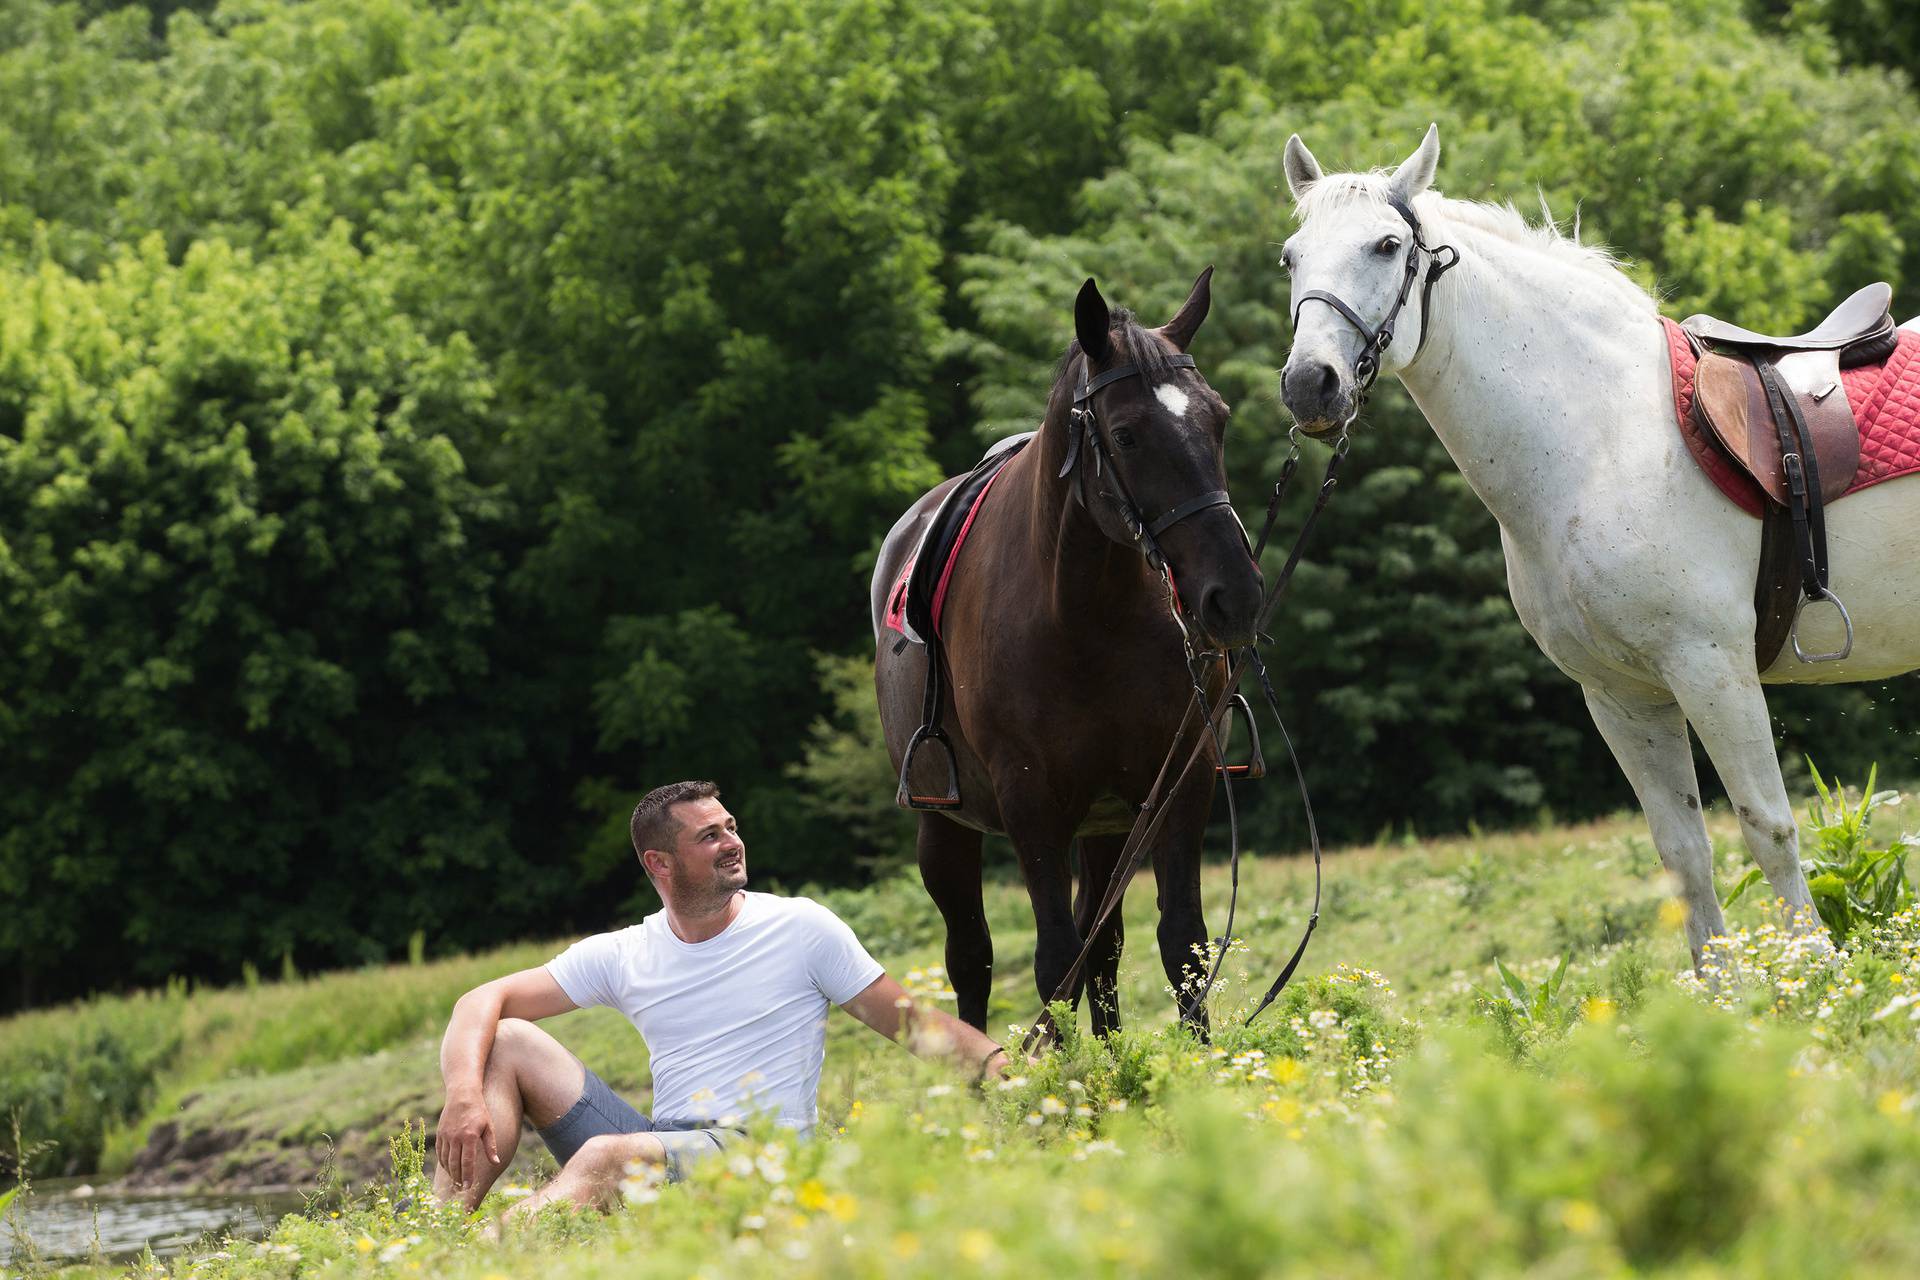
[(1183, 925), (950, 868), (1040, 838), (1099, 855)]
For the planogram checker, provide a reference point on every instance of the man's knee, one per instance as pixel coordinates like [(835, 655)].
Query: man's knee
[(547, 1076)]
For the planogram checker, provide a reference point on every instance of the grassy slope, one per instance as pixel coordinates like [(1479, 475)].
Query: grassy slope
[(1356, 1128)]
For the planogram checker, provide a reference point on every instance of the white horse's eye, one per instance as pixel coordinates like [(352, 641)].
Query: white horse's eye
[(1387, 245)]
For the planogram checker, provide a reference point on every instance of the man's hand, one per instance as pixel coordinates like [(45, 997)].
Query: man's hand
[(465, 1139)]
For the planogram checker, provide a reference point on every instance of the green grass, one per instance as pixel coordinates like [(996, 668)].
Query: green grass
[(1402, 1111)]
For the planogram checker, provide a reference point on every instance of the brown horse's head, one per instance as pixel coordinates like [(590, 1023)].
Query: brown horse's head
[(1150, 462)]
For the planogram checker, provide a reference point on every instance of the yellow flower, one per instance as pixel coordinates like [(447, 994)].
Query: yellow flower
[(812, 1195), (1287, 1070), (1673, 913), (975, 1245), (843, 1207), (1898, 978), (1580, 1217), (1892, 1102), (906, 1245), (366, 1244), (1598, 1009), (1094, 1200)]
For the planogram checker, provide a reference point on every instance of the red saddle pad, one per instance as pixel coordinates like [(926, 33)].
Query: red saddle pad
[(1885, 399)]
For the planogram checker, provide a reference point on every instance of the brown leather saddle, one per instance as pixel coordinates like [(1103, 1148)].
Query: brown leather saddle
[(1775, 404)]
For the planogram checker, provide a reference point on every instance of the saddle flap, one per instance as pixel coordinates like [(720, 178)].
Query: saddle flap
[(1730, 397), (1814, 377)]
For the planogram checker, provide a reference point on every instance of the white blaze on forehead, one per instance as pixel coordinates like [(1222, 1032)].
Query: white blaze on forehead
[(1173, 397)]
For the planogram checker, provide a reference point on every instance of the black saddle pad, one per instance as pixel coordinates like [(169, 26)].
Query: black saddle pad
[(940, 542)]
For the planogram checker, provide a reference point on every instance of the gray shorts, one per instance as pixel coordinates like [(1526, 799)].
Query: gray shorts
[(602, 1111)]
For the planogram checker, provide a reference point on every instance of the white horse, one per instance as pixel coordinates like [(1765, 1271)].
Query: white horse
[(1544, 372)]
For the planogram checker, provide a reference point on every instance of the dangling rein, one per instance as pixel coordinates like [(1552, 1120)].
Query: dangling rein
[(1440, 260), (1152, 814)]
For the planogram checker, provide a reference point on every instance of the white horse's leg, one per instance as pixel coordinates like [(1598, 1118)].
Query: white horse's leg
[(1729, 712), (1648, 736)]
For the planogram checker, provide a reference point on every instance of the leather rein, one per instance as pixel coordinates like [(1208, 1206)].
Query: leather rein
[(1152, 813), (1084, 422)]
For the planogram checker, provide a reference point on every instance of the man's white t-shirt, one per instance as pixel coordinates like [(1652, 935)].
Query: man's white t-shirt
[(735, 1025)]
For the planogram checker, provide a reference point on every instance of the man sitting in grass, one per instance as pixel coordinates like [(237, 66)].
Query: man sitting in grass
[(730, 991)]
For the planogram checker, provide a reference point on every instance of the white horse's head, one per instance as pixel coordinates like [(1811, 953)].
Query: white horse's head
[(1354, 263)]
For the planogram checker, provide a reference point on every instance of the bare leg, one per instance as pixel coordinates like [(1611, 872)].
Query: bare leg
[(1099, 855), (950, 868), (529, 1074), (591, 1180), (1648, 736)]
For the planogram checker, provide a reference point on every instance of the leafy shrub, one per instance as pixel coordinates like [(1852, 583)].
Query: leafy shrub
[(1854, 885)]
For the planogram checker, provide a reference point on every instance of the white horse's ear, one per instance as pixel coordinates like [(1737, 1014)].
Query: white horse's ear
[(1186, 321), (1302, 169), (1416, 175)]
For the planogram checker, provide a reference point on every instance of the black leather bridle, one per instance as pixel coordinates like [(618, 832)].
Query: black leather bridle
[(1084, 424), (1367, 367)]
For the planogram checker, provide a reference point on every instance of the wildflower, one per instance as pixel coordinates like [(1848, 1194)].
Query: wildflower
[(842, 1207), (939, 1090), (1035, 1119), (1052, 1106), (906, 1245), (1598, 1009), (1673, 913), (1893, 1103), (975, 1245), (1117, 1104), (812, 1196), (1580, 1217), (1011, 1083), (366, 1244)]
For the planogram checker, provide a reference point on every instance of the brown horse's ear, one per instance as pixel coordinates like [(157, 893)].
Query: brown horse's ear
[(1091, 320), (1186, 321)]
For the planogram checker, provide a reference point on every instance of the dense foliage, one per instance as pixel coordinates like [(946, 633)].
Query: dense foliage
[(424, 427)]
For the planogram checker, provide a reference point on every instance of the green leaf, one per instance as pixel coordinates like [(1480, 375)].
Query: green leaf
[(1514, 984), (1746, 882)]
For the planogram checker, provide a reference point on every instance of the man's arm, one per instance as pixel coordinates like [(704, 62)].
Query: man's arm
[(928, 1033), (466, 1133)]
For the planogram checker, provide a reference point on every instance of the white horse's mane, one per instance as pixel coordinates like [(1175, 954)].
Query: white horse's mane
[(1498, 221)]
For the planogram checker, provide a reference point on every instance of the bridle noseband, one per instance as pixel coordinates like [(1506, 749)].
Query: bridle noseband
[(1082, 422), (1367, 367)]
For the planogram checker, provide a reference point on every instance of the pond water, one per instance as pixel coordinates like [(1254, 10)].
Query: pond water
[(65, 1226)]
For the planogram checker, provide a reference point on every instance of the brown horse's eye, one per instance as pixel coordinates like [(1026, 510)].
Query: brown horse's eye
[(1123, 437)]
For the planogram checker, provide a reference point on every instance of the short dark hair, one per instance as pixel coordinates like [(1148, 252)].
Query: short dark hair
[(653, 826)]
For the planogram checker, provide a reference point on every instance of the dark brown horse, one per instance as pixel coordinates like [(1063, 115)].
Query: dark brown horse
[(1066, 676)]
